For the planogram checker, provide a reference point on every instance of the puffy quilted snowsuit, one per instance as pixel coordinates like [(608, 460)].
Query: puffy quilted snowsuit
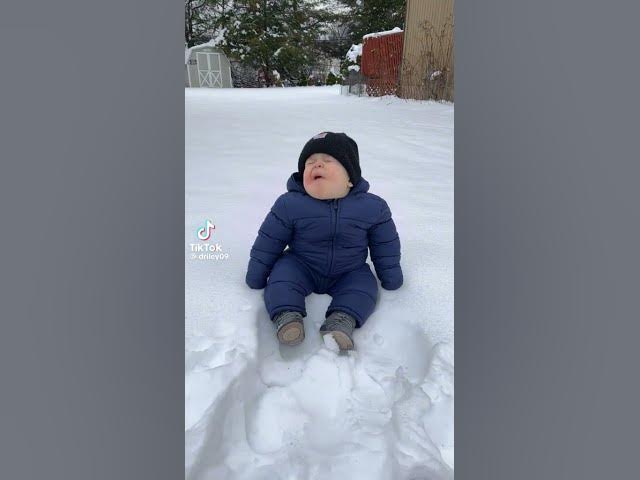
[(328, 242)]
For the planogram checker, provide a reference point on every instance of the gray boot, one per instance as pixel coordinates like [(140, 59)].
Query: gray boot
[(340, 326), (290, 327)]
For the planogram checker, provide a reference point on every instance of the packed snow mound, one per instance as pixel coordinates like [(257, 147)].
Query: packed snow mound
[(259, 410)]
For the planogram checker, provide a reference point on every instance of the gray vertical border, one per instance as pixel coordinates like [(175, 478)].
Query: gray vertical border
[(547, 235), (91, 252)]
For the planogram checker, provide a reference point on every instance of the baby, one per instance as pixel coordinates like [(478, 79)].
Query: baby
[(328, 220)]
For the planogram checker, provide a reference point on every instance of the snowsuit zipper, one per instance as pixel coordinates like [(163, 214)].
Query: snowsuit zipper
[(334, 224)]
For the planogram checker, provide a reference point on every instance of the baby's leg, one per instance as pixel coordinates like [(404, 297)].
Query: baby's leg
[(287, 286), (355, 293)]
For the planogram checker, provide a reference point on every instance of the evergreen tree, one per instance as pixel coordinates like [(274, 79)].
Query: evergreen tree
[(274, 35), (332, 79), (368, 16)]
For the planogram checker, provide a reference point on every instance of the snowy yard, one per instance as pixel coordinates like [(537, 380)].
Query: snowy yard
[(256, 410)]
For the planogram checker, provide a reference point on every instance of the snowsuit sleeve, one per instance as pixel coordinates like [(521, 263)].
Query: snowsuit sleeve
[(275, 233), (384, 247)]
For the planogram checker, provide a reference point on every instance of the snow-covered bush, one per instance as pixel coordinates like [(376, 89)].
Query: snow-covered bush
[(351, 59), (333, 79)]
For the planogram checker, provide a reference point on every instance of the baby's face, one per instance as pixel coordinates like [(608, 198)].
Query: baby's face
[(325, 178)]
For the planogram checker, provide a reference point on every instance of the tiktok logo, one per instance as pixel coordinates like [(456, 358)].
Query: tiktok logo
[(206, 251), (204, 233)]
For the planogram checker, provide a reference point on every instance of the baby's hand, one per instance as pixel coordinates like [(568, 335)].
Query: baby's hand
[(391, 286), (256, 284)]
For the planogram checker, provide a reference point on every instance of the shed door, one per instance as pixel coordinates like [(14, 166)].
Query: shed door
[(209, 71)]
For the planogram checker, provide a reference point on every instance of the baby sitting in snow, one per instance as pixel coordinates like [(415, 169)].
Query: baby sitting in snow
[(328, 219)]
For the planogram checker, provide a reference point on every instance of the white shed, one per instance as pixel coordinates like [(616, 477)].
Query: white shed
[(207, 66)]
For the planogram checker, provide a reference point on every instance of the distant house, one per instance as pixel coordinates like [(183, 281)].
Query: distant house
[(207, 66)]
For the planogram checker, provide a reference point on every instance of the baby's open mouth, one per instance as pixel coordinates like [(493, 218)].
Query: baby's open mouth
[(317, 176)]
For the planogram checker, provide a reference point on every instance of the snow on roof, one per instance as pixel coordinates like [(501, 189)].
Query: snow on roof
[(380, 34)]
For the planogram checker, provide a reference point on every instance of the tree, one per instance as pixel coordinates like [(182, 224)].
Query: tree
[(274, 35), (200, 20), (336, 35), (332, 79), (368, 16)]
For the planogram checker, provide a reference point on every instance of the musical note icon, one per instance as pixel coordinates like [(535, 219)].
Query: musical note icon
[(205, 232)]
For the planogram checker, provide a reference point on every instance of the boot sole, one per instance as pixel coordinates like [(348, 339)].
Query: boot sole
[(291, 334), (342, 339)]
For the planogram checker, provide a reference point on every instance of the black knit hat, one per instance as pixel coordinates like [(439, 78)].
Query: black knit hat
[(340, 146)]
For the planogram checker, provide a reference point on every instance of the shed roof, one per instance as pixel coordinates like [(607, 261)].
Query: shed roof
[(210, 44)]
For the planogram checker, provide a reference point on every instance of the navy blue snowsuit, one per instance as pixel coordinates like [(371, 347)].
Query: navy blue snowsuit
[(328, 242)]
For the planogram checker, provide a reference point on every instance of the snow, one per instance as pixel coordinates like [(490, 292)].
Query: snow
[(381, 34), (354, 68), (258, 410), (354, 52)]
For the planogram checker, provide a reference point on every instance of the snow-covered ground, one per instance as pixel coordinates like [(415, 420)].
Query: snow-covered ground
[(256, 410)]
